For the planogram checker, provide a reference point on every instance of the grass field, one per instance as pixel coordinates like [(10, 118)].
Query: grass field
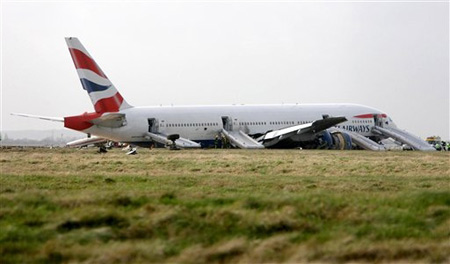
[(215, 206)]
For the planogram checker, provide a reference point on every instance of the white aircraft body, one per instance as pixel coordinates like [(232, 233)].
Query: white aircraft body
[(326, 126)]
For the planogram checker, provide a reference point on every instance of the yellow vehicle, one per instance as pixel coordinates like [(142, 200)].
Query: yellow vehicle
[(433, 140)]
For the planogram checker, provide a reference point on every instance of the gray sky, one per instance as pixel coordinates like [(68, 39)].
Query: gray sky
[(393, 56)]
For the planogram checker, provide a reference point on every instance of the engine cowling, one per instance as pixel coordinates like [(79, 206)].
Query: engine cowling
[(335, 140), (341, 141)]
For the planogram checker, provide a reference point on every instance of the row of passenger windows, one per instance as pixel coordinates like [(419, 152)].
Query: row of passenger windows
[(240, 123), (193, 125), (361, 121), (273, 123), (256, 123)]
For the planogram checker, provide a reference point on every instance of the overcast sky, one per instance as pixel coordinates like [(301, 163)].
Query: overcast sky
[(393, 56)]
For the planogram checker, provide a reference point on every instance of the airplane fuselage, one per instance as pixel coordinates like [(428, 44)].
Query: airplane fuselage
[(203, 123)]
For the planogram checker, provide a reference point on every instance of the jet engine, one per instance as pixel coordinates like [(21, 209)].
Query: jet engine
[(334, 140)]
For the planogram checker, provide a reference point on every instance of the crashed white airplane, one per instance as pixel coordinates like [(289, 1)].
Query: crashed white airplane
[(326, 126)]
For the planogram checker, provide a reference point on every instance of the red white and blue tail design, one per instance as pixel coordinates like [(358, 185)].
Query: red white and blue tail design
[(103, 94)]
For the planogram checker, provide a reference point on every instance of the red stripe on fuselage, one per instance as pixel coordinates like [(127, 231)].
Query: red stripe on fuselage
[(82, 61), (369, 116), (365, 116), (110, 104)]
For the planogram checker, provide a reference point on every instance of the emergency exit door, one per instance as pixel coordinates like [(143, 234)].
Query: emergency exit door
[(153, 125)]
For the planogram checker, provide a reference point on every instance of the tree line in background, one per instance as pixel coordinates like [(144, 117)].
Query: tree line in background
[(45, 142)]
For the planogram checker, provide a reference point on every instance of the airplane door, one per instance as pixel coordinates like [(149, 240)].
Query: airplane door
[(378, 120), (153, 125), (227, 123)]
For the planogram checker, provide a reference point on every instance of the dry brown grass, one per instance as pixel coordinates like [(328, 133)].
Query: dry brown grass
[(216, 206)]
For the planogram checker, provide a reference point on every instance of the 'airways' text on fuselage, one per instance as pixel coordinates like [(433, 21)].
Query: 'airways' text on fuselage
[(359, 129)]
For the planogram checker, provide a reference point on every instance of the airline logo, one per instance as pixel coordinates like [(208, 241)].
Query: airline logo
[(362, 128), (359, 129), (103, 94)]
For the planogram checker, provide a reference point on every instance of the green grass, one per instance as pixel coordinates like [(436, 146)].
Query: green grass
[(214, 206)]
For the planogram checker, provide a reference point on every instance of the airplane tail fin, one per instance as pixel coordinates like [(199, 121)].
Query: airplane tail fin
[(103, 93)]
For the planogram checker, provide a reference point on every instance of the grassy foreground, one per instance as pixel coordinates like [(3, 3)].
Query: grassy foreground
[(215, 206)]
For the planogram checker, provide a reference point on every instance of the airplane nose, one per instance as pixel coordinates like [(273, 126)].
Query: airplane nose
[(390, 123)]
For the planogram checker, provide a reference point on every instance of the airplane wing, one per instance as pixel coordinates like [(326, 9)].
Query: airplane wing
[(304, 131), (322, 124), (55, 119), (86, 141)]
